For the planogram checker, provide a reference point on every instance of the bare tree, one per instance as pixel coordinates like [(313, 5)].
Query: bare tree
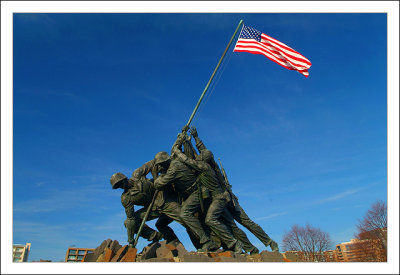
[(374, 224), (309, 242), (372, 230)]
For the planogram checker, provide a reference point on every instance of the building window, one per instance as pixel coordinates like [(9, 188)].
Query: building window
[(349, 247), (77, 254)]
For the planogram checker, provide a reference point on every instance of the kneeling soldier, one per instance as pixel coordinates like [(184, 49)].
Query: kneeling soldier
[(141, 192)]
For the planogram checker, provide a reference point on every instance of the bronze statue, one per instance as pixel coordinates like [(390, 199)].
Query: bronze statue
[(198, 184), (188, 188)]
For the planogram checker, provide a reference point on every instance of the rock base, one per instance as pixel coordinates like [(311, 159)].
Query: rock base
[(112, 251)]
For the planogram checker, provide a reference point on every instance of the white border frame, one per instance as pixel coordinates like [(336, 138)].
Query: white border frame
[(389, 7)]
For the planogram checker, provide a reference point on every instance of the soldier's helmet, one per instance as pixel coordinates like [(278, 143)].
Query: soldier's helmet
[(207, 155), (161, 157), (116, 180)]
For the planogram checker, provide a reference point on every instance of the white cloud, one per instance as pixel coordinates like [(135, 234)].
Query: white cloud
[(338, 196), (344, 194), (271, 216)]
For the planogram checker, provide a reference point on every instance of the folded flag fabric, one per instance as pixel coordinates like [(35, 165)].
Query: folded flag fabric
[(253, 41)]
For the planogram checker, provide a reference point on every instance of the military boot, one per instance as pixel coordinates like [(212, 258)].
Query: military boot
[(175, 242), (237, 248), (274, 246), (254, 251), (208, 246), (155, 237)]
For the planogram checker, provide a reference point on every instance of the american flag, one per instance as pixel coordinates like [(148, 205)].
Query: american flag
[(253, 41)]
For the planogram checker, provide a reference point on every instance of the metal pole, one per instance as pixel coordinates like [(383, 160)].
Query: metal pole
[(213, 74), (145, 218)]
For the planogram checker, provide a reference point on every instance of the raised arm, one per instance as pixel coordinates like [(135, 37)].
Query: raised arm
[(199, 144), (143, 171), (199, 166), (165, 179), (176, 151)]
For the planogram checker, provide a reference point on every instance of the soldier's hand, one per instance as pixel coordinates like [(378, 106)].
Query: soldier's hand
[(193, 132), (180, 138), (185, 128)]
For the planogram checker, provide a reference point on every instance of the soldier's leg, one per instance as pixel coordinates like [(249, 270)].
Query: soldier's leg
[(167, 232), (214, 237), (147, 232), (173, 210), (213, 221), (195, 241), (130, 229), (202, 216), (241, 217), (189, 207), (238, 233)]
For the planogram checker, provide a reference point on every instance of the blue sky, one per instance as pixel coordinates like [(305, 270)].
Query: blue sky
[(96, 94)]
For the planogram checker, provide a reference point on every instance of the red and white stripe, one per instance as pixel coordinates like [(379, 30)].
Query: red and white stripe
[(275, 51)]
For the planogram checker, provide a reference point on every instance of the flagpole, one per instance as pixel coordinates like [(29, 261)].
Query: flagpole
[(190, 120), (213, 74)]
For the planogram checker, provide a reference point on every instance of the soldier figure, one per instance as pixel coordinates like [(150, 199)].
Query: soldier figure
[(140, 192), (119, 180), (226, 217), (182, 180), (237, 211), (219, 198), (241, 217), (172, 208)]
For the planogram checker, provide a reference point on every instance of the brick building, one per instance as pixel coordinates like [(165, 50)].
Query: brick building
[(356, 250), (330, 256)]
